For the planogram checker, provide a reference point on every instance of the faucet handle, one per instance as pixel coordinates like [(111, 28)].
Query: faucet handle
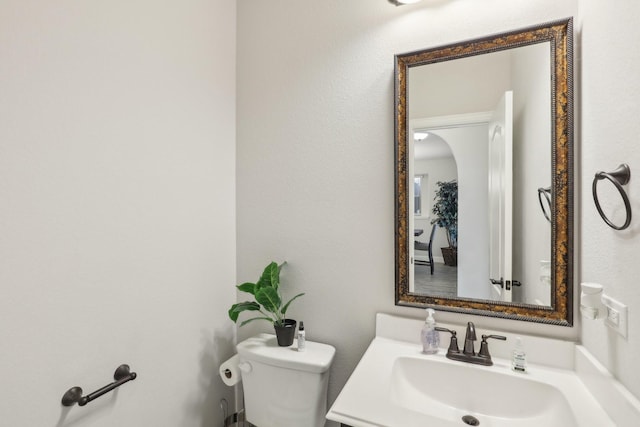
[(453, 344), (497, 337), (484, 346)]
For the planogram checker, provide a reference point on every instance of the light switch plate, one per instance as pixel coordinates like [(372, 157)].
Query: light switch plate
[(617, 315)]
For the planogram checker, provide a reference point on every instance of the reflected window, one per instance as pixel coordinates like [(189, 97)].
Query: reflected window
[(419, 183)]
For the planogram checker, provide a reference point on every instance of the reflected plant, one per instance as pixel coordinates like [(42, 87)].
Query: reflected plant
[(446, 210)]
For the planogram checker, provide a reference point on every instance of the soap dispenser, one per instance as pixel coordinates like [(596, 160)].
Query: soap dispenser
[(429, 336)]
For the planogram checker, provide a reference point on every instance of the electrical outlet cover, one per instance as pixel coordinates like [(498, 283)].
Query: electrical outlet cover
[(617, 315)]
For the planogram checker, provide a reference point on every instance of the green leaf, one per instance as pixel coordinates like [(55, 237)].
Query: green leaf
[(286, 306), (236, 309), (268, 319), (270, 273), (248, 287), (269, 299), (274, 271)]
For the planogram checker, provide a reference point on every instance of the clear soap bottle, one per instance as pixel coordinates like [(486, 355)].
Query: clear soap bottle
[(519, 357), (429, 336), (302, 340)]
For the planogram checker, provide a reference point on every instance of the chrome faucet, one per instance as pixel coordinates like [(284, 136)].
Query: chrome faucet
[(468, 354)]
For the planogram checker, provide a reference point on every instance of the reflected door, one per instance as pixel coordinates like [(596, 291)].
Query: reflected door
[(412, 224), (501, 198)]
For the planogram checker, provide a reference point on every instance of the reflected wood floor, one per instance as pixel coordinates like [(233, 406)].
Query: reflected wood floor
[(443, 282)]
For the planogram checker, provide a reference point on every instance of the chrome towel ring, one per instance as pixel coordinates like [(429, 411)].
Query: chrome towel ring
[(618, 178)]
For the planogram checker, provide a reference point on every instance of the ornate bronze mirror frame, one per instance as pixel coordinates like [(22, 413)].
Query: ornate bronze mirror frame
[(559, 34)]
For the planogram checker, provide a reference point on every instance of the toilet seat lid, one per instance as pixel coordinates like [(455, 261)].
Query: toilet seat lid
[(316, 358)]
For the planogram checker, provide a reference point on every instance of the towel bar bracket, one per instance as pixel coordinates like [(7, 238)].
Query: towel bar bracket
[(74, 394)]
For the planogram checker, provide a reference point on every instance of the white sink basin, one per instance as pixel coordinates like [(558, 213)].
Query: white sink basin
[(491, 396), (395, 385)]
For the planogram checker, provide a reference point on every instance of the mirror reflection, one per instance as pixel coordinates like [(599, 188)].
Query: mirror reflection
[(483, 135), (483, 123)]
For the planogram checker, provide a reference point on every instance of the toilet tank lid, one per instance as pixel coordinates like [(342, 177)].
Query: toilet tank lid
[(316, 358)]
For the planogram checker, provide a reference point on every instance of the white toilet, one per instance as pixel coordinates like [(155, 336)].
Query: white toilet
[(282, 386)]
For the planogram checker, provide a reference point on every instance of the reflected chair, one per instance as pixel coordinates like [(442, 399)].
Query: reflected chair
[(421, 246)]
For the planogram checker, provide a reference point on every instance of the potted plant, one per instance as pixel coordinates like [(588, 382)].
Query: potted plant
[(268, 302), (446, 210)]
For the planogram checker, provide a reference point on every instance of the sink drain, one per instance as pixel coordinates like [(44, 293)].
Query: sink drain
[(470, 420)]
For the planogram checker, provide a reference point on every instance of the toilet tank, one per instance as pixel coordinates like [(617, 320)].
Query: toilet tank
[(284, 387)]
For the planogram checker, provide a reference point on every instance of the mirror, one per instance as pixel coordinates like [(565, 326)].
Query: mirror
[(484, 175)]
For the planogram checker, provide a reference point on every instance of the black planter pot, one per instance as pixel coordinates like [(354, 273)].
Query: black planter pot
[(285, 333)]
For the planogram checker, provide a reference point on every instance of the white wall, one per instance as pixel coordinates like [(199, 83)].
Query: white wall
[(116, 209), (466, 85), (608, 102), (315, 151)]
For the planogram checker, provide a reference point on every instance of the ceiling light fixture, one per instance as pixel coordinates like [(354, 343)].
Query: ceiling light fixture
[(402, 2), (419, 136)]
